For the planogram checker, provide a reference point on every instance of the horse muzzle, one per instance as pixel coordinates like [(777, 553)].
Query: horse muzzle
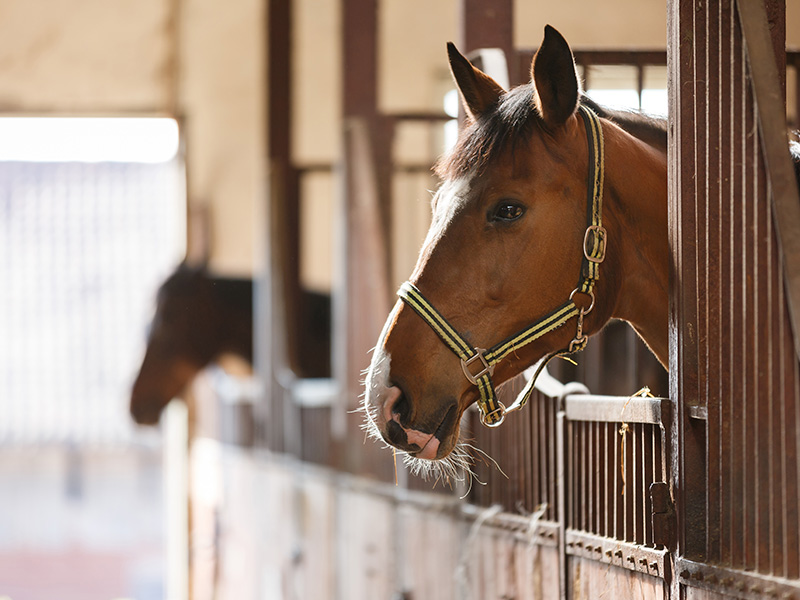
[(429, 434)]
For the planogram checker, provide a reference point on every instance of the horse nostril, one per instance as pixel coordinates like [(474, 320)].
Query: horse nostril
[(396, 435), (401, 408)]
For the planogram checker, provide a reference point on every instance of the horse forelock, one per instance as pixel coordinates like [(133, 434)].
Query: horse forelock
[(509, 122), (513, 120)]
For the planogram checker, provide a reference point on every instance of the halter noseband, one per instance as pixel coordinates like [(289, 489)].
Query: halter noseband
[(478, 363)]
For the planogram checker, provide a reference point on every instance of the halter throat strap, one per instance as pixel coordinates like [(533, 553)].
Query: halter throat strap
[(478, 363)]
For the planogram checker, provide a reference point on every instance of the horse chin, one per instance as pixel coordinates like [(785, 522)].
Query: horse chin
[(146, 412), (453, 463)]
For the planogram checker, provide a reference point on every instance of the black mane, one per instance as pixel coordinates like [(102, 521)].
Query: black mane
[(513, 120)]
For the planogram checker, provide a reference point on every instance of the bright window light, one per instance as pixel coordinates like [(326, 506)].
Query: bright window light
[(619, 99), (450, 105), (57, 139), (451, 102), (654, 101)]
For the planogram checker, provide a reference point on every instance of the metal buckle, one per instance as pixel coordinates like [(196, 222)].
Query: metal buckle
[(599, 233), (487, 368), (500, 409)]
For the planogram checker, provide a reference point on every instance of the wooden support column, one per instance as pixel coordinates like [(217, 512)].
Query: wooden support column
[(361, 297), (489, 24), (279, 286), (486, 24)]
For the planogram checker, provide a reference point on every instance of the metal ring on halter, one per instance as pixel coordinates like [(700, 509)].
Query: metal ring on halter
[(590, 293), (487, 368), (500, 409)]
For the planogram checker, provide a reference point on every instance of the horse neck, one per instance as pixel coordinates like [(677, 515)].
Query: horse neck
[(636, 184), (235, 298)]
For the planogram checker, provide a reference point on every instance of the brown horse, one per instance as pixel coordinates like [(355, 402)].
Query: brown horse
[(551, 211), (198, 317)]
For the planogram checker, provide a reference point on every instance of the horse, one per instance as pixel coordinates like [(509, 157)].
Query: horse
[(551, 219), (198, 317), (552, 210)]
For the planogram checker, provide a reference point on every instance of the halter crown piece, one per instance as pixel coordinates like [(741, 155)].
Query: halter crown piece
[(478, 363)]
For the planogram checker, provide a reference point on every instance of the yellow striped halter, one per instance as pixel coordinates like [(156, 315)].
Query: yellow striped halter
[(477, 363)]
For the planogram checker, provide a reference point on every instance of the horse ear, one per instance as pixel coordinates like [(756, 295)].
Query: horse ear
[(555, 82), (478, 90)]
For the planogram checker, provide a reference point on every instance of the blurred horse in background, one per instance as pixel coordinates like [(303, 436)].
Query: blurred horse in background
[(198, 318)]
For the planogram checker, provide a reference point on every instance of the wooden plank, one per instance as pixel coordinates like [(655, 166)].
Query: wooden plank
[(613, 409), (590, 579)]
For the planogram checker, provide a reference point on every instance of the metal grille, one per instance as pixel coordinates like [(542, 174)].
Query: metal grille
[(525, 449), (736, 371), (612, 460)]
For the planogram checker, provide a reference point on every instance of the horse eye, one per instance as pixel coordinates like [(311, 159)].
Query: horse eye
[(508, 212)]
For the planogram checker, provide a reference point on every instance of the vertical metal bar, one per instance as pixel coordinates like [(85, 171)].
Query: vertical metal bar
[(730, 250), (713, 326), (793, 492), (647, 479), (761, 424), (561, 434), (590, 467), (602, 469), (537, 441), (608, 472), (656, 470), (753, 358), (738, 340), (626, 505), (618, 515), (586, 495), (528, 440), (789, 456), (552, 455), (568, 518)]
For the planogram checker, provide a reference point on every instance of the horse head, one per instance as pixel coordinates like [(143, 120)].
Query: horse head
[(510, 245), (182, 340)]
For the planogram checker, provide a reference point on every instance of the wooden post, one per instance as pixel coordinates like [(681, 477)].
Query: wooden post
[(361, 295), (279, 286)]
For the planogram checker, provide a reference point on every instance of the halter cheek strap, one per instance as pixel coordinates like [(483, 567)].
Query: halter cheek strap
[(477, 363)]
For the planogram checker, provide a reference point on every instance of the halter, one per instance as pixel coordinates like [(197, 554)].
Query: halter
[(478, 363)]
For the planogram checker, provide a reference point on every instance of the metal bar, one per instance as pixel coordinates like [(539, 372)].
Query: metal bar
[(591, 466), (772, 124), (608, 472), (562, 435), (618, 505), (553, 466), (639, 488), (752, 322), (535, 449), (738, 340), (713, 253), (644, 489), (762, 421)]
